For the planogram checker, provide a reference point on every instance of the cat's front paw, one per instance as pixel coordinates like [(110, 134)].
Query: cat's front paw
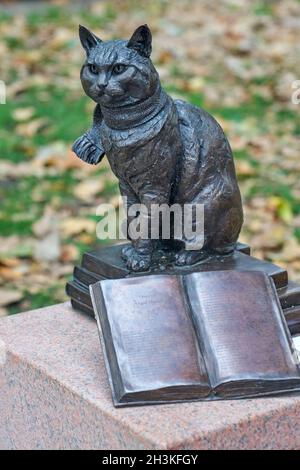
[(127, 251), (137, 262), (87, 151), (188, 257)]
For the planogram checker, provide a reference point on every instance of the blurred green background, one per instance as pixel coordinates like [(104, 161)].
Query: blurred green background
[(237, 59)]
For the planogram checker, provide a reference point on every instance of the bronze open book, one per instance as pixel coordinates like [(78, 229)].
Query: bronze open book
[(201, 336)]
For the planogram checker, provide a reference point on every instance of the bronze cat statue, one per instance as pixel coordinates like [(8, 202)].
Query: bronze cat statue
[(163, 151)]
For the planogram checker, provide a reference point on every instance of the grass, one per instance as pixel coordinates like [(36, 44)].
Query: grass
[(39, 299), (66, 118), (17, 214)]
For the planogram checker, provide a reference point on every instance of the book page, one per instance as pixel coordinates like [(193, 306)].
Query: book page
[(152, 333), (240, 326)]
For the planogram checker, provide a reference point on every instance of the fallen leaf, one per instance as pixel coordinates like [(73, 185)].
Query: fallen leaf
[(3, 312), (72, 161), (23, 114), (88, 189), (86, 238), (74, 226), (9, 274), (9, 262), (48, 249), (281, 207), (59, 155), (195, 84), (9, 296), (116, 201), (69, 253), (244, 168), (290, 252), (29, 129), (16, 247), (46, 224)]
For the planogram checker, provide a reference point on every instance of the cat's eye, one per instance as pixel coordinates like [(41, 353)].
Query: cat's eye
[(93, 69), (119, 68)]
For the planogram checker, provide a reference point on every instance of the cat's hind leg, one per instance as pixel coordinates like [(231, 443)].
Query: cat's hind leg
[(226, 235)]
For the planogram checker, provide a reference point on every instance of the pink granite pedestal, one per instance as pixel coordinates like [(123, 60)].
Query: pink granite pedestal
[(54, 394)]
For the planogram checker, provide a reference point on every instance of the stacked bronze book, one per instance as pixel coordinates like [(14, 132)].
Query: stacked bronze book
[(107, 263)]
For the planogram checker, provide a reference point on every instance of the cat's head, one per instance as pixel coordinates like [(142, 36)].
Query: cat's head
[(117, 73)]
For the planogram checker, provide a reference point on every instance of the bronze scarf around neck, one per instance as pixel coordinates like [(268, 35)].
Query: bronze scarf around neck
[(126, 117)]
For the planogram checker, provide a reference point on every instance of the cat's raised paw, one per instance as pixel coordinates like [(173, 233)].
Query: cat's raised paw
[(87, 151)]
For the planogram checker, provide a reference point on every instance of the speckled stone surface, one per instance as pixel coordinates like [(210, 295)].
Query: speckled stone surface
[(54, 394)]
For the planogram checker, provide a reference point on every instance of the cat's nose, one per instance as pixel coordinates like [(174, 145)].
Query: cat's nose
[(101, 86)]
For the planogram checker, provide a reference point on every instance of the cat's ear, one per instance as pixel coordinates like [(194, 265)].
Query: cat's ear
[(141, 41), (88, 39)]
